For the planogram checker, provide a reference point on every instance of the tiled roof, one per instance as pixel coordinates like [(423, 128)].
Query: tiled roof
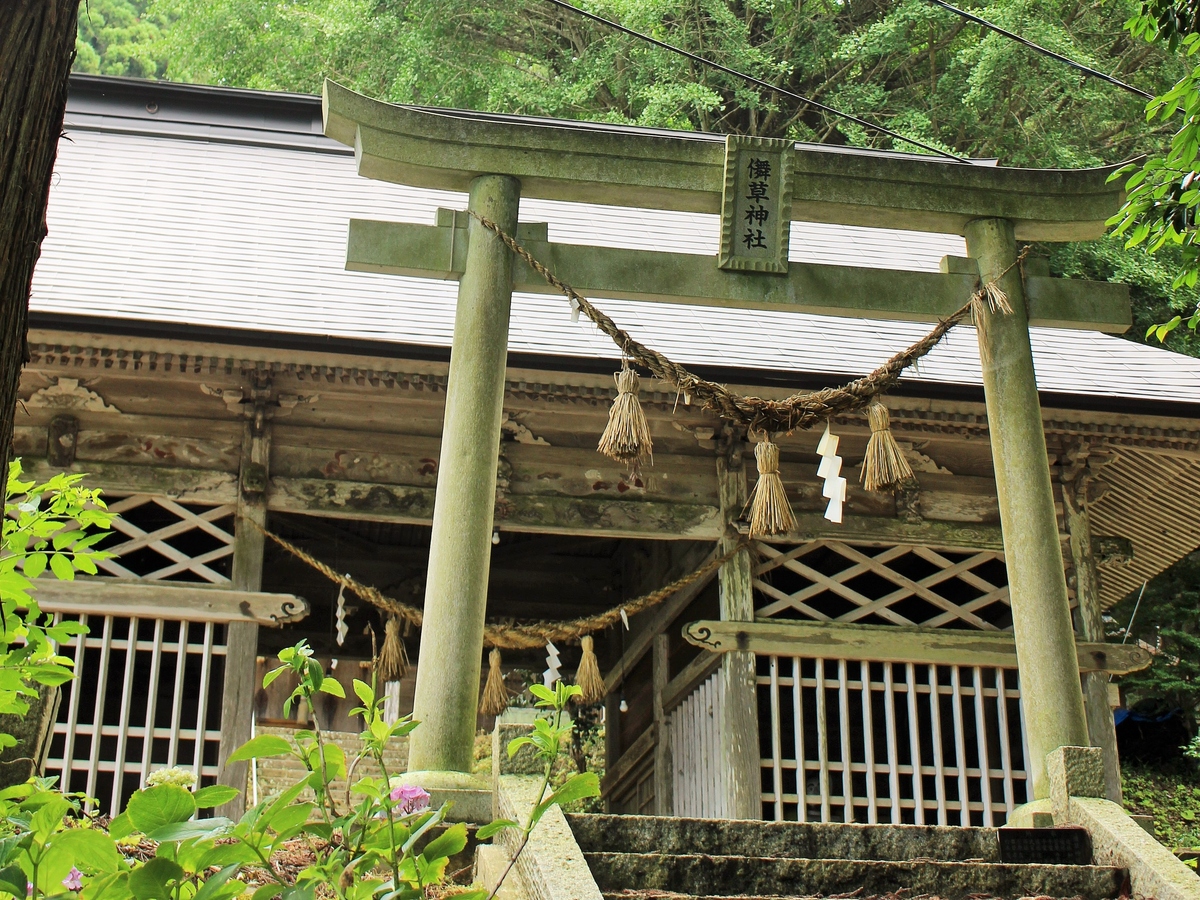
[(185, 230)]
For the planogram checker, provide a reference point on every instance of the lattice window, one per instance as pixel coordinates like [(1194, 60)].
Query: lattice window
[(157, 539), (147, 695), (855, 741), (838, 581)]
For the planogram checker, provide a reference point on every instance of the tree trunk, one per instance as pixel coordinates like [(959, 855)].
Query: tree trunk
[(37, 45)]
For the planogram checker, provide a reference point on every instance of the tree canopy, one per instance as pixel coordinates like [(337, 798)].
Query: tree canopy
[(910, 65)]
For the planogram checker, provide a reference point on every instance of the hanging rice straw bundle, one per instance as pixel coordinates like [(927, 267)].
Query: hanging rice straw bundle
[(495, 694), (992, 297), (770, 512), (588, 677), (393, 657), (884, 465), (626, 438)]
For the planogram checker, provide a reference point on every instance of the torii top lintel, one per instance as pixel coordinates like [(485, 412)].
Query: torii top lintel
[(623, 166)]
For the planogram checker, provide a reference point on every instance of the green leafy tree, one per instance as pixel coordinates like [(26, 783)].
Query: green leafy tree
[(118, 37), (906, 64), (51, 526)]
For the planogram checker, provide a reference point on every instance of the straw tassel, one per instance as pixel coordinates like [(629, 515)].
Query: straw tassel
[(495, 694), (393, 657), (588, 677), (770, 512), (884, 465), (626, 438)]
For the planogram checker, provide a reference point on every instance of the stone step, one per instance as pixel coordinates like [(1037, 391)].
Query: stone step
[(699, 875), (717, 837)]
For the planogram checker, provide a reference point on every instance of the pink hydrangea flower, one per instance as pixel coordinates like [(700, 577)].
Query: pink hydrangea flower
[(73, 881), (411, 798)]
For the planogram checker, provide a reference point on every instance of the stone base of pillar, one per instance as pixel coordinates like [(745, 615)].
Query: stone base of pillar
[(470, 795), (1034, 814)]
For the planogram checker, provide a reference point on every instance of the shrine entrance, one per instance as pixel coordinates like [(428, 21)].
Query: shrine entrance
[(757, 186)]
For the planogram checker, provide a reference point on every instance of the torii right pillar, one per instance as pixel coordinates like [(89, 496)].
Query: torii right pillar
[(1051, 696)]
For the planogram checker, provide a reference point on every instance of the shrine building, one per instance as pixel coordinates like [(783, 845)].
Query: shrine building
[(241, 330)]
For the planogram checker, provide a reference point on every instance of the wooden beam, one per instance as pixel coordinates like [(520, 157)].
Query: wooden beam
[(738, 678), (884, 532), (590, 163), (186, 485), (169, 599), (241, 669), (664, 782), (519, 512), (433, 251), (885, 643)]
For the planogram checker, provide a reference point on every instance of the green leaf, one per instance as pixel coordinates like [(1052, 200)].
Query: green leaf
[(268, 891), (49, 818), (13, 880), (542, 692), (494, 827), (212, 887), (577, 787), (62, 568), (163, 804), (334, 687), (153, 880), (262, 747), (35, 565), (120, 827), (214, 795), (449, 842), (195, 828), (290, 818), (364, 692), (93, 852)]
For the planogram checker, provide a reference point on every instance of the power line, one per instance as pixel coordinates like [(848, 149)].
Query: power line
[(1065, 60), (617, 26)]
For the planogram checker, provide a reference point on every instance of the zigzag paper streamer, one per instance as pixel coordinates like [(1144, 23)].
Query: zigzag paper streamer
[(553, 665), (834, 489), (342, 629)]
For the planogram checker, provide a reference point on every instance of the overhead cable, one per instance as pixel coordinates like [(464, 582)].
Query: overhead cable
[(1065, 60), (704, 61)]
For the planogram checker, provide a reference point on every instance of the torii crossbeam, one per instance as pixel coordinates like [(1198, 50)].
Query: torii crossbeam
[(758, 186)]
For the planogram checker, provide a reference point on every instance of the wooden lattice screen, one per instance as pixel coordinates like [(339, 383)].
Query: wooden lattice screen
[(837, 581), (147, 695), (158, 539), (147, 692), (850, 740)]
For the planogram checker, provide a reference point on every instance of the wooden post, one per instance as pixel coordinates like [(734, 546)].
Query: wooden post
[(1101, 729), (664, 762), (1051, 696), (447, 689), (241, 654), (738, 681)]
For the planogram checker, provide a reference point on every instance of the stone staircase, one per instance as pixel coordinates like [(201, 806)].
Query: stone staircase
[(632, 856)]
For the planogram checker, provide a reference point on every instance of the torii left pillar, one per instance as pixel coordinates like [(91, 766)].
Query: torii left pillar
[(448, 668)]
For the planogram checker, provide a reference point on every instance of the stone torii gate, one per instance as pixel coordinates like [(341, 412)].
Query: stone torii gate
[(759, 186)]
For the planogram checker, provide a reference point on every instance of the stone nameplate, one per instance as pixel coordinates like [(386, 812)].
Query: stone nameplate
[(1065, 846), (756, 205)]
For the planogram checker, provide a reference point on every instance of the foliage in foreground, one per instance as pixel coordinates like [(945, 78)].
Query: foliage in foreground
[(47, 526), (384, 841)]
